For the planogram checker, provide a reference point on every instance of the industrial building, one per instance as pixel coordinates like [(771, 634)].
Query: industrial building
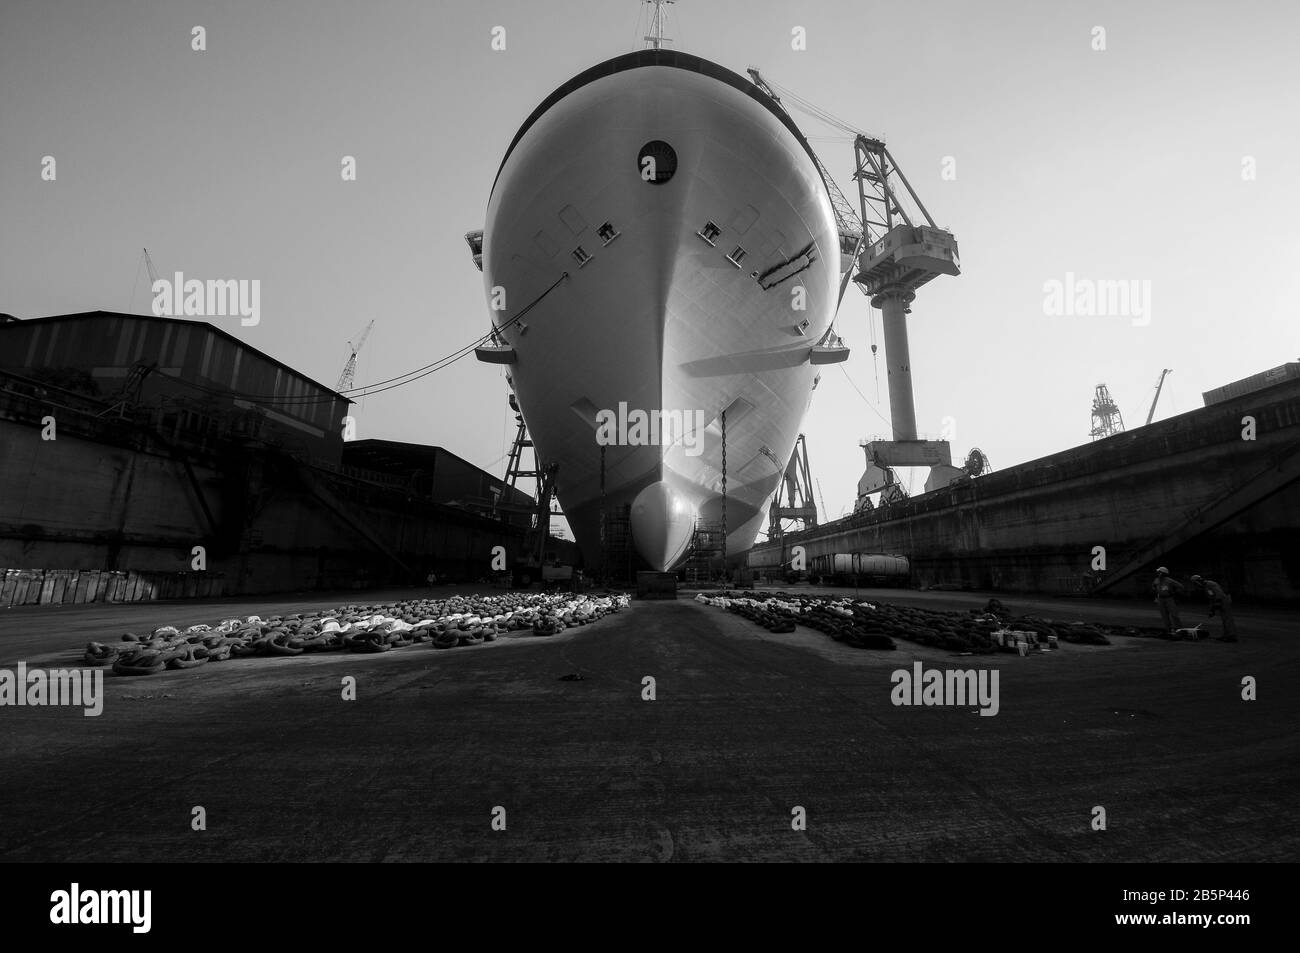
[(438, 475), (192, 379), (146, 457)]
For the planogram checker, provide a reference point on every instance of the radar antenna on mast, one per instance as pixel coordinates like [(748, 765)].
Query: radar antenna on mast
[(656, 38)]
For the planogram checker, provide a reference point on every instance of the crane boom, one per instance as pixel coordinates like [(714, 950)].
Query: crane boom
[(894, 252), (849, 226), (1160, 383), (362, 340), (845, 217), (350, 369), (153, 272)]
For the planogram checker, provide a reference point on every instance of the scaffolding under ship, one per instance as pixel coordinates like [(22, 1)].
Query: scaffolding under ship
[(660, 239)]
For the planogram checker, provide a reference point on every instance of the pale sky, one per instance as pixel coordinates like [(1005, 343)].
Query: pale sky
[(1117, 164)]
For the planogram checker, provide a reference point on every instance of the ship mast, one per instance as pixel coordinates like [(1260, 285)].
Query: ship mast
[(656, 39)]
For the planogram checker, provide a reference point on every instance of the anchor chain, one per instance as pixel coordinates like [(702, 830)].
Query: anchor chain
[(604, 529), (724, 494)]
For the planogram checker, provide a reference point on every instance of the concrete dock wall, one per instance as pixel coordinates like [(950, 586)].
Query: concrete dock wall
[(1032, 528)]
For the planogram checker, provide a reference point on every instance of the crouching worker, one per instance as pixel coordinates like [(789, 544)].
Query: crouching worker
[(1221, 603)]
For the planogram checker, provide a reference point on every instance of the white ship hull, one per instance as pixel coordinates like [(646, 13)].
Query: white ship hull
[(659, 319)]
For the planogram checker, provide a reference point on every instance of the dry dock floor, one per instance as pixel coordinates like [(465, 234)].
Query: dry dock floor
[(745, 726)]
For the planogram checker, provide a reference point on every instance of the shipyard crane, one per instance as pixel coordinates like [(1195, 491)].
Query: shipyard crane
[(797, 483), (1106, 418), (350, 368), (894, 253), (1160, 383)]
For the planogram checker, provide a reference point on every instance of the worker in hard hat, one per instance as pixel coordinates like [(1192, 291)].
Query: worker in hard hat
[(1167, 588), (1221, 603)]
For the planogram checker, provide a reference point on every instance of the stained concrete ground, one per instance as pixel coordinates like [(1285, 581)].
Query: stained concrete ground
[(746, 725)]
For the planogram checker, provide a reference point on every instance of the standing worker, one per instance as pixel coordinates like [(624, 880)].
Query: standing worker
[(1221, 603), (1167, 588)]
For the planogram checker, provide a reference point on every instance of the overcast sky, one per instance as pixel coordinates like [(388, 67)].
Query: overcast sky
[(1122, 163)]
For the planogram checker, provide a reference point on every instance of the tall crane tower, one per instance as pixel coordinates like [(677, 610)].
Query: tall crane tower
[(1106, 418), (894, 253), (902, 257), (350, 368)]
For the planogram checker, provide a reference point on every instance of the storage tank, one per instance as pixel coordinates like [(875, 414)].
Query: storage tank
[(863, 569), (878, 564)]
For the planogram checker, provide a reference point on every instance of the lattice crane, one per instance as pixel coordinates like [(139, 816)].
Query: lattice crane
[(889, 253), (1106, 418), (350, 368)]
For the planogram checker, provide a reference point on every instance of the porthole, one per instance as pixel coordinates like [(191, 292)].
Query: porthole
[(656, 162)]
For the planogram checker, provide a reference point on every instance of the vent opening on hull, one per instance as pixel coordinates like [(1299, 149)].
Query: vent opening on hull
[(607, 233), (580, 256), (710, 233), (737, 256)]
